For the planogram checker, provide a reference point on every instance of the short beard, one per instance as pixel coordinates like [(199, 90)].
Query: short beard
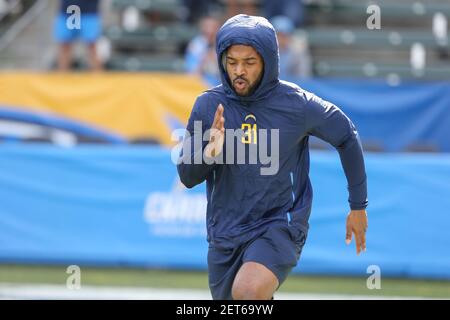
[(252, 87)]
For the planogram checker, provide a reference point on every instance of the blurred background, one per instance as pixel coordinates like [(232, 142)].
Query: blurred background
[(90, 96)]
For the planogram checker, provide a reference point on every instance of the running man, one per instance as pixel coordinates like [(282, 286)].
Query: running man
[(257, 223)]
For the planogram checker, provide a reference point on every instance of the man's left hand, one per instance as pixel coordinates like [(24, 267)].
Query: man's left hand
[(357, 224)]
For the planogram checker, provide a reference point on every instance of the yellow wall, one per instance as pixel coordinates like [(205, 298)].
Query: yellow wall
[(131, 104)]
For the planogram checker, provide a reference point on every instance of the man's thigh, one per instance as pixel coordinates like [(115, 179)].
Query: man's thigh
[(275, 250), (91, 28), (223, 265), (254, 281), (61, 32)]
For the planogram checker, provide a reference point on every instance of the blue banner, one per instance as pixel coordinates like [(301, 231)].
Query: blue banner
[(409, 116), (124, 206)]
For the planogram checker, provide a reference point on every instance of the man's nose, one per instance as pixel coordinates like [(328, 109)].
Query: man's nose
[(240, 70)]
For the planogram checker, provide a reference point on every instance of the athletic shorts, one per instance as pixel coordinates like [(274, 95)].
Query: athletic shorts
[(278, 249), (89, 31)]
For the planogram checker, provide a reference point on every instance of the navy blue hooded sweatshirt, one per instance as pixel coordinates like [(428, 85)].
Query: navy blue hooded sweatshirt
[(242, 203)]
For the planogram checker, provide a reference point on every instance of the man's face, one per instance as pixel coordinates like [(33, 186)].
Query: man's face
[(245, 68)]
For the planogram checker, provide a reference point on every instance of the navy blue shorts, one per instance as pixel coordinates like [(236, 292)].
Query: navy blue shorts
[(278, 249)]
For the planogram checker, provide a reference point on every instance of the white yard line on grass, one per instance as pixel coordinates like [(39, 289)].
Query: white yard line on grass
[(57, 292)]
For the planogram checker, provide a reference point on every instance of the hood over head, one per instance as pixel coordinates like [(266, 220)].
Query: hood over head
[(258, 33)]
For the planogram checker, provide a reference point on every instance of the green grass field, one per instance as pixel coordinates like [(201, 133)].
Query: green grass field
[(198, 280)]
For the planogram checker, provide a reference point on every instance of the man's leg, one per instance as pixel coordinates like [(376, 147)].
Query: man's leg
[(64, 56), (90, 33), (223, 265), (254, 281), (64, 37), (266, 263), (94, 61)]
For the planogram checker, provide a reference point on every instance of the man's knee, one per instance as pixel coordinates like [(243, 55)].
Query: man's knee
[(246, 291), (254, 282)]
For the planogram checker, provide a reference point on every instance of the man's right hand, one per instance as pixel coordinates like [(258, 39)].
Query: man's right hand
[(357, 224), (217, 135)]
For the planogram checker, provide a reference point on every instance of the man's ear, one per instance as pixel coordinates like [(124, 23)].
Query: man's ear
[(224, 60)]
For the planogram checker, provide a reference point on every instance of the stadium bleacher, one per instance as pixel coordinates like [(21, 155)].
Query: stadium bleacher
[(156, 38), (340, 43)]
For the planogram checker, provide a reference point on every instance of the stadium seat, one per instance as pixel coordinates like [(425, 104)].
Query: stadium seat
[(351, 68), (149, 5), (389, 8), (156, 37), (362, 37), (147, 63)]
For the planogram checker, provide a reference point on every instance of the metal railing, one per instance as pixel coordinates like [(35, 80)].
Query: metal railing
[(25, 20)]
